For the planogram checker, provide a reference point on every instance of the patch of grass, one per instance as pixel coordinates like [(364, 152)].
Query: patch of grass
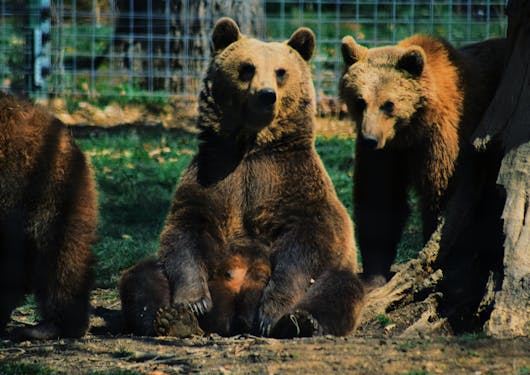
[(136, 177), (417, 372), (523, 370), (412, 238), (383, 320), (337, 156), (29, 310), (10, 368)]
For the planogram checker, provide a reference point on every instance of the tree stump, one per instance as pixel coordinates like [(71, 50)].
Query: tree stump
[(508, 121)]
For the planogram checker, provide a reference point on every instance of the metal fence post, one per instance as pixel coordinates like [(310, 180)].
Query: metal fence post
[(40, 25)]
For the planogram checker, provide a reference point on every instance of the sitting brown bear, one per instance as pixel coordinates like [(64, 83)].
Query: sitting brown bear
[(257, 176), (48, 212)]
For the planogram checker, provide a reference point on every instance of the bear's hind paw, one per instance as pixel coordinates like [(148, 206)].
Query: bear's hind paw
[(176, 321), (297, 324)]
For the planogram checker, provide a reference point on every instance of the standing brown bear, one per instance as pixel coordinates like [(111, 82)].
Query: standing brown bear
[(257, 176), (48, 212), (415, 105)]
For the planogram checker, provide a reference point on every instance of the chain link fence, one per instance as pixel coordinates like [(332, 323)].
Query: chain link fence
[(125, 50)]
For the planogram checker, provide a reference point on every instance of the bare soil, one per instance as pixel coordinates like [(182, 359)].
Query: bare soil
[(373, 349)]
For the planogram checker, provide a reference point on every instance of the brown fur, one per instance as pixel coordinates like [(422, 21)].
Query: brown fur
[(437, 95), (47, 220), (236, 285), (257, 177)]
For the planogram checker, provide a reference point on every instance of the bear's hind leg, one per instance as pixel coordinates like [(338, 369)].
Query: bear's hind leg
[(12, 275), (144, 289), (332, 305), (62, 290), (11, 284)]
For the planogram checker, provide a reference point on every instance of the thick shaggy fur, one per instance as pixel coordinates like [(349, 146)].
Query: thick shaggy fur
[(257, 177), (415, 105), (48, 212)]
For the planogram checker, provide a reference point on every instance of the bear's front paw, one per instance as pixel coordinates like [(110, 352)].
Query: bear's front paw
[(296, 324), (176, 321)]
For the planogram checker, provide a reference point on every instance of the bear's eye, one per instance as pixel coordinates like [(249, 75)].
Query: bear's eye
[(388, 107), (246, 72), (360, 103), (229, 275), (280, 74)]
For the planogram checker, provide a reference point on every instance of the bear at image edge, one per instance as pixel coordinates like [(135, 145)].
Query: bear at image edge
[(48, 214), (257, 175)]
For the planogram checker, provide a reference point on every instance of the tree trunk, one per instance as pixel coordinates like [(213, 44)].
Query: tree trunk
[(168, 44), (508, 119), (474, 273)]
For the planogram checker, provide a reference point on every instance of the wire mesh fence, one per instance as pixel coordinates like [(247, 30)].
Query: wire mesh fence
[(126, 50)]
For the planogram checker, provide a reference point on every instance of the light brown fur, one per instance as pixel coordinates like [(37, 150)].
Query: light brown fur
[(48, 212), (415, 105)]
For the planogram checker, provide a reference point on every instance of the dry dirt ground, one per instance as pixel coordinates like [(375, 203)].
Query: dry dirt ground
[(369, 351)]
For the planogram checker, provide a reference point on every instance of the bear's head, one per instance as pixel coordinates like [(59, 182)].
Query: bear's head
[(382, 88), (255, 84), (236, 288)]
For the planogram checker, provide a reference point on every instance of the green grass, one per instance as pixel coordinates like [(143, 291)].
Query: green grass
[(383, 320), (136, 177), (10, 368)]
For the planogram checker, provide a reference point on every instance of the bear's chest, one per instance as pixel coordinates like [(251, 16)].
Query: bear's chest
[(251, 193)]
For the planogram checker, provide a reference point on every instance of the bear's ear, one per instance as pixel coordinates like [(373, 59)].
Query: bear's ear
[(225, 32), (303, 42), (351, 51), (412, 61)]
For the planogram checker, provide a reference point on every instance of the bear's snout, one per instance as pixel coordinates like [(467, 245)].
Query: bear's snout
[(267, 96)]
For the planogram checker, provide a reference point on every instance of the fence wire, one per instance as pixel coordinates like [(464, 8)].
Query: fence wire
[(126, 50)]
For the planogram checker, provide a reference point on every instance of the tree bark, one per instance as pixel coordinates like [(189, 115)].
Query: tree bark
[(508, 118), (172, 38)]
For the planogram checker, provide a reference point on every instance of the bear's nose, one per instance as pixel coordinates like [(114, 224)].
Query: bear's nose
[(267, 96), (369, 142)]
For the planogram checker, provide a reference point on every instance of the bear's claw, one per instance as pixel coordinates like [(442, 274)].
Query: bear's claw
[(265, 327), (201, 306), (176, 321)]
